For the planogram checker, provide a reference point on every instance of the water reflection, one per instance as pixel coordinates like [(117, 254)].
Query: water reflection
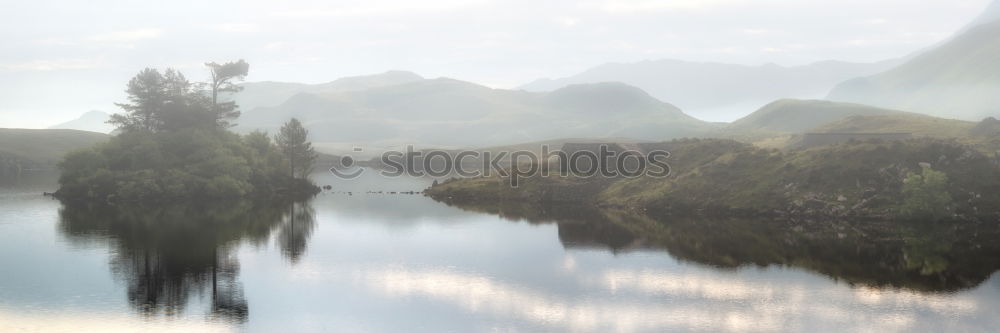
[(296, 228), (168, 254), (917, 256)]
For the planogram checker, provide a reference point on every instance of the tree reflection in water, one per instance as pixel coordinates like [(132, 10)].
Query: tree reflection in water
[(169, 253)]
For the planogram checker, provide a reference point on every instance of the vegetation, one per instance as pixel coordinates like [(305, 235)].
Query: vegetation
[(174, 145), (925, 195), (223, 77), (27, 149), (918, 125), (796, 116), (292, 142), (859, 179)]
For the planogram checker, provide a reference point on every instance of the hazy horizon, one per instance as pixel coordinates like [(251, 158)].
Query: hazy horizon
[(85, 52)]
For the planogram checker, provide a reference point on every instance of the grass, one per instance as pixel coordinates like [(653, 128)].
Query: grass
[(858, 178), (919, 125), (44, 147)]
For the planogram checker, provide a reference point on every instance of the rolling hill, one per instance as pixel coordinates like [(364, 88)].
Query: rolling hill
[(991, 14), (959, 79), (43, 148), (451, 113), (719, 91), (794, 116)]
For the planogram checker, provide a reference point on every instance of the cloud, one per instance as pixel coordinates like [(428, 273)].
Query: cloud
[(755, 31), (567, 22), (52, 65), (379, 8), (236, 27), (126, 36), (632, 6)]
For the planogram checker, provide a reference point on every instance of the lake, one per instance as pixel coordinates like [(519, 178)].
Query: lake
[(397, 262)]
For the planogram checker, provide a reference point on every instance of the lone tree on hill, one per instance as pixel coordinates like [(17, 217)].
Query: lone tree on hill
[(299, 152)]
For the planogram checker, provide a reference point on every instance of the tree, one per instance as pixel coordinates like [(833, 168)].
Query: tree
[(223, 80), (292, 142), (171, 146), (925, 195), (168, 101), (146, 96)]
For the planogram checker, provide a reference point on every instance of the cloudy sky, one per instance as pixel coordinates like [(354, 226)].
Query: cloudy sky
[(59, 59)]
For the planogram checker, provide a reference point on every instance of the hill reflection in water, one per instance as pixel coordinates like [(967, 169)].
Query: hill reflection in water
[(917, 256)]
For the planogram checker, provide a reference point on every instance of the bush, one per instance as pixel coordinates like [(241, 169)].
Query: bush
[(925, 196)]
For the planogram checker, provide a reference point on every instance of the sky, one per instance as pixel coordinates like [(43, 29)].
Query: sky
[(59, 59)]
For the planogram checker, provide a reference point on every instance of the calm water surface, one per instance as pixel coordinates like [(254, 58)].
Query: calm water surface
[(391, 263)]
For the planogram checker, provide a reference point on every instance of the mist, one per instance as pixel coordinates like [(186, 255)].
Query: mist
[(85, 51)]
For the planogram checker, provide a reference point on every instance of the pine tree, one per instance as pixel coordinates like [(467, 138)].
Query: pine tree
[(292, 140)]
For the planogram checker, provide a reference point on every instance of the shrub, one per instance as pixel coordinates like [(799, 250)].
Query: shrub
[(925, 196)]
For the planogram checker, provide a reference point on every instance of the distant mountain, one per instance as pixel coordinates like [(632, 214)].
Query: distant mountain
[(43, 147), (264, 94), (991, 14), (720, 91), (959, 79), (795, 116), (450, 113), (92, 121)]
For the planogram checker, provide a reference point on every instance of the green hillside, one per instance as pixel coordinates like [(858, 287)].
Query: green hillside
[(919, 125), (959, 79), (795, 116), (859, 179), (43, 148)]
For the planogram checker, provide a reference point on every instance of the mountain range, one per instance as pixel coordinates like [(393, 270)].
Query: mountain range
[(715, 91), (452, 113), (270, 93), (958, 79)]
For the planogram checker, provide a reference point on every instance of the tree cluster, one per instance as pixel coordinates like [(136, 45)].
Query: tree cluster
[(173, 144)]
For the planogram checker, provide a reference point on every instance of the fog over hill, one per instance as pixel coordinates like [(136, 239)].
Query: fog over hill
[(958, 79), (794, 116), (453, 113), (92, 121), (44, 147), (717, 91), (991, 14), (268, 93)]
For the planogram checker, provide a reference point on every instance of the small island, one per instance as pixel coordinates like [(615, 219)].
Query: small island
[(173, 144)]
